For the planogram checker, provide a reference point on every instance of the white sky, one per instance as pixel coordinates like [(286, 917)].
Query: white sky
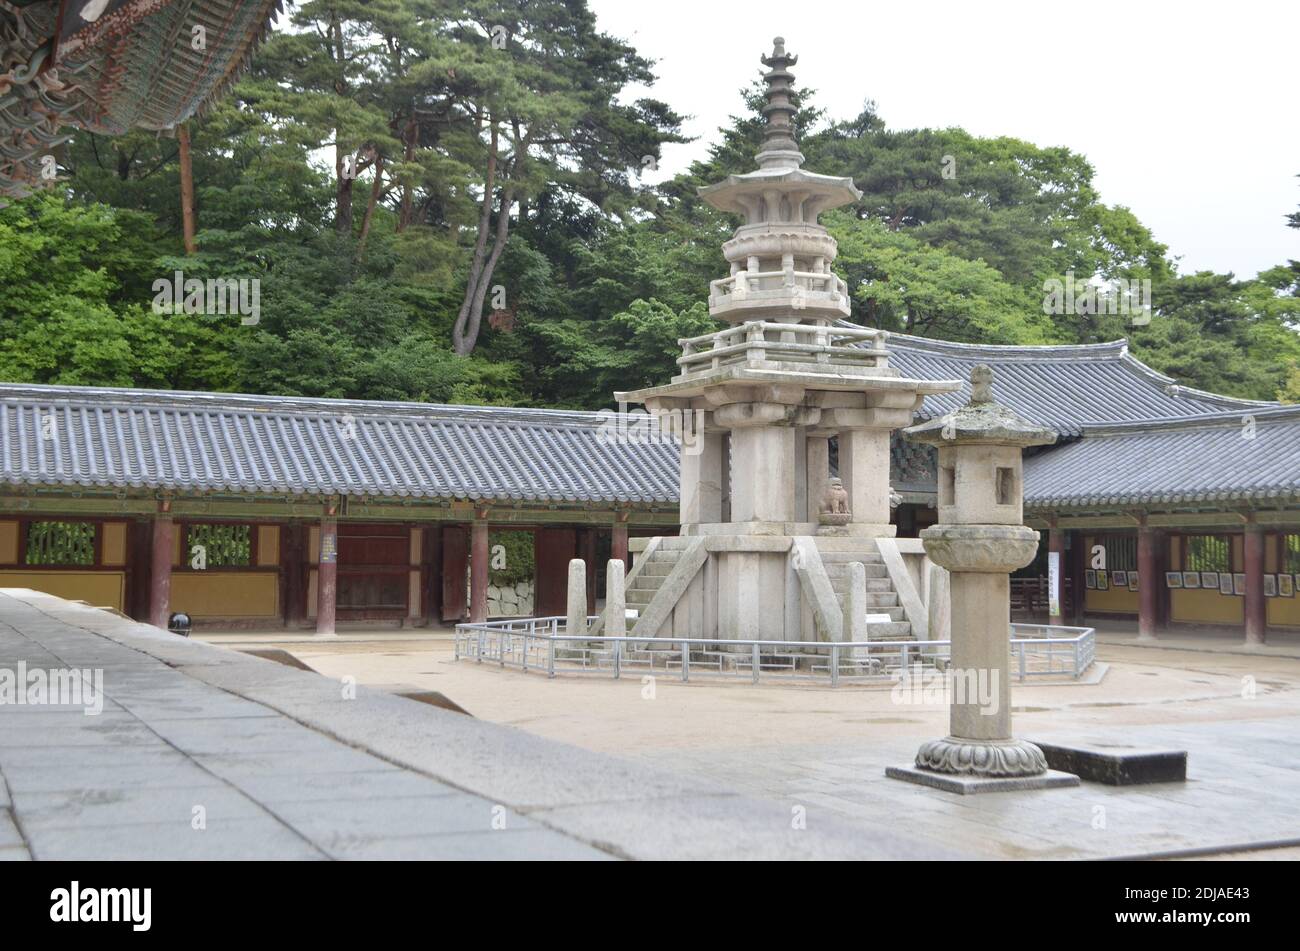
[(1187, 110)]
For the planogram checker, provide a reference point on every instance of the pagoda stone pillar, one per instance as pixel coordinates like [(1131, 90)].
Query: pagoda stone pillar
[(864, 469), (817, 462), (763, 456), (980, 538), (701, 477)]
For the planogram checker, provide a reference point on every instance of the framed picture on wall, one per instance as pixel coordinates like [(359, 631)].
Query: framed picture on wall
[(1103, 581), (1132, 580), (1285, 586), (1119, 579), (1210, 579), (1191, 579), (1090, 578), (1239, 584), (1270, 586), (1173, 579), (1225, 583)]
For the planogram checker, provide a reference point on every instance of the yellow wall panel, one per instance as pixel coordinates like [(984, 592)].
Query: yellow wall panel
[(8, 543), (1284, 612), (102, 589), (203, 594), (112, 543), (313, 545), (268, 545), (1200, 606), (417, 544), (1113, 601)]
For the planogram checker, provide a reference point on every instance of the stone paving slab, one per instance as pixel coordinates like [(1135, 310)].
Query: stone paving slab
[(288, 765), (1243, 786)]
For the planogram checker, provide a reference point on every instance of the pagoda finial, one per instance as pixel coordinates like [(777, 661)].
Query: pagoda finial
[(779, 150)]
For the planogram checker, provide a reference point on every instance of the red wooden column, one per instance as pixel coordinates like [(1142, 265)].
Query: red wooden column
[(618, 539), (327, 576), (1078, 569), (478, 568), (292, 560), (1150, 581), (1256, 618), (160, 569), (587, 552), (1056, 546)]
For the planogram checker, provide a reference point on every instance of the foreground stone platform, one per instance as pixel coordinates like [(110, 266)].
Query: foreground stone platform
[(969, 785), (1116, 764), (201, 752)]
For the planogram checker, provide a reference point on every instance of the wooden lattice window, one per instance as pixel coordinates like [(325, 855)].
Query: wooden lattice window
[(1207, 553), (1121, 552), (61, 543), (1291, 554), (223, 546)]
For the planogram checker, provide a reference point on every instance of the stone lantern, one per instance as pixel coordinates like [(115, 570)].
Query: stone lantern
[(980, 539)]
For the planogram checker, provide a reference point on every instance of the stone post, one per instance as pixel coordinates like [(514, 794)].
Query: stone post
[(980, 540), (855, 605), (576, 613), (615, 599)]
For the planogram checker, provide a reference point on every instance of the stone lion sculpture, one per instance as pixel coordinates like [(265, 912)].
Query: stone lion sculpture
[(836, 499)]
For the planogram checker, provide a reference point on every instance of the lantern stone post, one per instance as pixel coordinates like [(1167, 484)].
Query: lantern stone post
[(980, 538)]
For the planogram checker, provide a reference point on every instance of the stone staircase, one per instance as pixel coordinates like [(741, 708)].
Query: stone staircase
[(654, 570), (881, 596)]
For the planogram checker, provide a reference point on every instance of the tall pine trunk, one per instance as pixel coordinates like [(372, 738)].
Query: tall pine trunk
[(187, 188)]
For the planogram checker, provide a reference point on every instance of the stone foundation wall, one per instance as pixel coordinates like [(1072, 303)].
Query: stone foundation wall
[(514, 600)]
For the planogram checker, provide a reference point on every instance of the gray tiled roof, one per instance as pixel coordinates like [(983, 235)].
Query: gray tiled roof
[(1061, 387), (144, 439), (1251, 456)]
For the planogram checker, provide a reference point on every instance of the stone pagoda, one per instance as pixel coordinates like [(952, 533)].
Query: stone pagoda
[(769, 542)]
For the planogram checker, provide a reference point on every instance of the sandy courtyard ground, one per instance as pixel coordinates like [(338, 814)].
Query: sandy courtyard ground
[(824, 748)]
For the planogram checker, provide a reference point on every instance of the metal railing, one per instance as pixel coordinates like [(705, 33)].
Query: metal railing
[(542, 644)]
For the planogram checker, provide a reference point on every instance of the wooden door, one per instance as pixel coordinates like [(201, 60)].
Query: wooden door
[(554, 548)]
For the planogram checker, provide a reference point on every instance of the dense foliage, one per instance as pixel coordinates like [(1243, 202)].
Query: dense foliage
[(446, 204)]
